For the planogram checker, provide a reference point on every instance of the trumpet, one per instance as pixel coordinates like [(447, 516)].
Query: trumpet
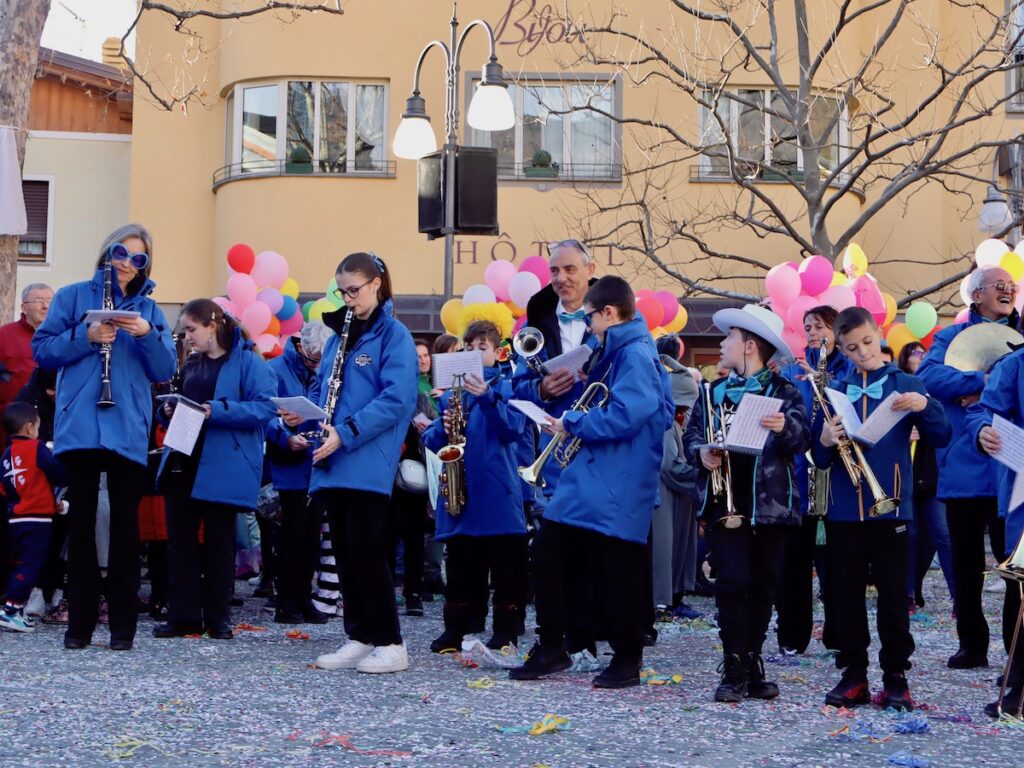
[(563, 446), (721, 477), (818, 479), (857, 466), (528, 343), (452, 456)]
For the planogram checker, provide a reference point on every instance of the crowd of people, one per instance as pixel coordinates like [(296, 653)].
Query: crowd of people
[(638, 499)]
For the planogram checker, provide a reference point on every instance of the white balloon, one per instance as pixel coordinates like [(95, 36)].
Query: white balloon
[(990, 252), (522, 286), (478, 294), (963, 291), (1019, 250)]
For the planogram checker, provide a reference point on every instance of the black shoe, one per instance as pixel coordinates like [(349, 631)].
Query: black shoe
[(220, 632), (733, 686), (541, 661), (264, 589), (650, 637), (851, 690), (918, 598), (167, 629), (448, 642), (896, 692), (757, 686), (703, 588), (501, 639), (621, 673), (413, 606), (75, 643), (157, 610), (236, 602), (1011, 703), (312, 616), (282, 616), (964, 659), (120, 645)]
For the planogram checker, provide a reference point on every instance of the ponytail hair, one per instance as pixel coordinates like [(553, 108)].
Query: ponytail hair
[(369, 265), (207, 312)]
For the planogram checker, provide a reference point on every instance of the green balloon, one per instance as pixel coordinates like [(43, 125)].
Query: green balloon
[(331, 296), (921, 318), (305, 310)]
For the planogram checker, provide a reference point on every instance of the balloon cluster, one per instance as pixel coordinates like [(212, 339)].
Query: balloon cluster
[(995, 253), (662, 313), (504, 285), (262, 296)]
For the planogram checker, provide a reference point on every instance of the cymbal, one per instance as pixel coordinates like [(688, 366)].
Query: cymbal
[(976, 348)]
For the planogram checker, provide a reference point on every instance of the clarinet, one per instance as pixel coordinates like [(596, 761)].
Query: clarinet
[(106, 393), (334, 383)]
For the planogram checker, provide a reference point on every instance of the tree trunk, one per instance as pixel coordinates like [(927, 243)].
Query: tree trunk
[(21, 28)]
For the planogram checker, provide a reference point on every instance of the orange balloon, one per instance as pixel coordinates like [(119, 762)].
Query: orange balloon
[(890, 308), (274, 329), (899, 336)]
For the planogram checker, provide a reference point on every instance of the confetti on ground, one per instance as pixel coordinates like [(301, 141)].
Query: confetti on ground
[(547, 724), (296, 634), (483, 683), (246, 627), (909, 760), (651, 677)]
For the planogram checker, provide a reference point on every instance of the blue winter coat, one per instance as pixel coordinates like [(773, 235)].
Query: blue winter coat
[(61, 343), (494, 505), (611, 486), (230, 469), (377, 400), (964, 472), (890, 457), (1003, 394), (838, 367), (289, 470)]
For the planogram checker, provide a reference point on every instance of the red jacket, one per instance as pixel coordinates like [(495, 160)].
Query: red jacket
[(16, 361), (29, 474)]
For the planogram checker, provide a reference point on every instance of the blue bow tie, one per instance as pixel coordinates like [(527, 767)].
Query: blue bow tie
[(735, 388), (568, 317), (873, 390)]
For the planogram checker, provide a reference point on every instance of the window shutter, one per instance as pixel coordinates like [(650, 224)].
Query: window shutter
[(37, 198)]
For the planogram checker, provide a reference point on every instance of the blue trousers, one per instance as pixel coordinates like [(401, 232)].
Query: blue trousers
[(29, 541)]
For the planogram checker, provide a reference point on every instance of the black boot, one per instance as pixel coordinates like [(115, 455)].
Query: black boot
[(1011, 702), (757, 686), (851, 690), (733, 687), (455, 618), (623, 672), (507, 619), (541, 661), (896, 692)]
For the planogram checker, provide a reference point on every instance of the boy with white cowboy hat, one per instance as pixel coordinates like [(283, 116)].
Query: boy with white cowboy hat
[(750, 543)]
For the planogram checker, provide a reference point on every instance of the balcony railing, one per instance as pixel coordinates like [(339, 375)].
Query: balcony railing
[(761, 174), (561, 172), (250, 169)]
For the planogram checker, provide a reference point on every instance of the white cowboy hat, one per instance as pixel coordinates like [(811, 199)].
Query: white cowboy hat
[(757, 320)]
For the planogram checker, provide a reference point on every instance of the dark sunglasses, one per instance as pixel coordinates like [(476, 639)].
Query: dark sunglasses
[(119, 253), (552, 247), (588, 318)]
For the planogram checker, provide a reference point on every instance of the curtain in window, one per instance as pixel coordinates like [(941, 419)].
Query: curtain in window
[(369, 127), (333, 127), (542, 130), (592, 152)]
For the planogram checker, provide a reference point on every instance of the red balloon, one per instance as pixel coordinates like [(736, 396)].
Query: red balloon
[(927, 340), (651, 309), (241, 258), (643, 293)]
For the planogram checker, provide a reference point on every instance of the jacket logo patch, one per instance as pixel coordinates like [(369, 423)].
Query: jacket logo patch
[(363, 360)]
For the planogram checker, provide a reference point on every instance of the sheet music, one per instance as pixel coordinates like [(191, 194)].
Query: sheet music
[(531, 411), (570, 361), (106, 315), (184, 429), (301, 406), (881, 421), (845, 409), (448, 365), (1011, 455), (422, 420), (746, 435), (175, 397)]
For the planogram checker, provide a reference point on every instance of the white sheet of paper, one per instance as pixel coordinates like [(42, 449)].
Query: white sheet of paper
[(1017, 494), (184, 429), (1011, 437), (176, 398), (434, 468), (570, 361), (300, 406), (878, 424), (844, 408), (746, 435), (531, 411), (450, 364), (422, 419), (106, 315)]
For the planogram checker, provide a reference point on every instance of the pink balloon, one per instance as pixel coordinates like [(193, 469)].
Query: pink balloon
[(783, 284), (839, 297), (791, 265), (256, 318), (522, 286), (815, 274), (270, 270), (538, 265), (225, 304), (796, 342), (518, 324), (963, 315), (272, 298), (869, 296), (797, 309), (292, 324), (643, 293), (497, 275), (242, 291), (265, 343), (669, 304)]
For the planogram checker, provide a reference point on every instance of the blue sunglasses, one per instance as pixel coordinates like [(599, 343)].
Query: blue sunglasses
[(119, 253)]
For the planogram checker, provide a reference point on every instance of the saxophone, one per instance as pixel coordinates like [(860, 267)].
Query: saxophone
[(334, 382), (452, 456), (818, 479)]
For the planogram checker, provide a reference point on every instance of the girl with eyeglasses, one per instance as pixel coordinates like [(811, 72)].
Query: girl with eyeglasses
[(91, 439)]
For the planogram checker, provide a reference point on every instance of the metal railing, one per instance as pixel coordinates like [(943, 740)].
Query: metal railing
[(756, 171), (249, 169), (561, 172)]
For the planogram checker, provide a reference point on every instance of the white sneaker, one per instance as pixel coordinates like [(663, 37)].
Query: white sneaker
[(36, 605), (385, 658), (346, 657)]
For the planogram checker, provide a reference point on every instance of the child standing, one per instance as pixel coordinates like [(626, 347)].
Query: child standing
[(29, 474), (488, 537), (858, 542)]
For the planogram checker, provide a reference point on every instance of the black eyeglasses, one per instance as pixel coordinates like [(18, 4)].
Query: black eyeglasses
[(552, 247), (119, 253), (588, 318), (341, 293), (1002, 287)]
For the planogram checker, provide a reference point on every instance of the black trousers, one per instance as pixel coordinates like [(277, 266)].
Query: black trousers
[(409, 520), (126, 481), (967, 520), (55, 570), (853, 548), (565, 558), (474, 563), (200, 575), (298, 550), (270, 534), (749, 562), (794, 597), (361, 538), (156, 559)]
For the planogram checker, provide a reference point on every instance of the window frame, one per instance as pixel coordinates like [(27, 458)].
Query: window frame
[(1015, 74), (47, 260)]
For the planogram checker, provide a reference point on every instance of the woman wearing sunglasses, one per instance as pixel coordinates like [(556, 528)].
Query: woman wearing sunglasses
[(91, 440)]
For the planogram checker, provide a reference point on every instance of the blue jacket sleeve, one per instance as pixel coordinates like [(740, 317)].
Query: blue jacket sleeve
[(944, 381), (931, 423), (396, 399), (434, 437), (259, 385), (503, 421), (636, 397), (999, 396), (156, 348), (53, 469), (62, 338)]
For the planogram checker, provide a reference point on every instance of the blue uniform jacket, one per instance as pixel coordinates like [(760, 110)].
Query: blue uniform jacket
[(289, 470), (494, 505), (377, 400), (838, 367), (890, 457), (611, 486), (964, 472), (1003, 394), (61, 343), (230, 469)]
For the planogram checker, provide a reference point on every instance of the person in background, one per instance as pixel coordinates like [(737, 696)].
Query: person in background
[(16, 360)]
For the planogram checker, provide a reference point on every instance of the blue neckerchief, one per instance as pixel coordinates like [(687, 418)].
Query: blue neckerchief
[(872, 390), (568, 317)]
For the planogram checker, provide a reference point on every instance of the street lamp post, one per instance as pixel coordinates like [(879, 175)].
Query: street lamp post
[(998, 214), (490, 110)]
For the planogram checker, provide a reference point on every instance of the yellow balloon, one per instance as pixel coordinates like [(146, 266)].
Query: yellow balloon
[(890, 308), (290, 288), (1014, 264), (899, 336), (678, 322), (316, 312), (855, 262), (658, 332), (451, 310), (516, 310), (838, 278)]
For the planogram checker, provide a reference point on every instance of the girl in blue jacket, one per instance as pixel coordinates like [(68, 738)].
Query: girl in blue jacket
[(222, 475), (486, 542), (354, 468), (90, 439)]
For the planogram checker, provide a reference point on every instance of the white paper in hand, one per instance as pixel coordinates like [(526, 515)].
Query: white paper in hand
[(107, 315), (570, 361), (746, 435), (301, 406), (531, 411), (184, 429), (451, 364)]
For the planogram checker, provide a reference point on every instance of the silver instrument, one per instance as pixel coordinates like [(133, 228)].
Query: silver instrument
[(335, 381)]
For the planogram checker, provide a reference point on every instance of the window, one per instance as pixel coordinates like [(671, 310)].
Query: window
[(762, 137), (33, 245), (562, 131), (1015, 51), (259, 127)]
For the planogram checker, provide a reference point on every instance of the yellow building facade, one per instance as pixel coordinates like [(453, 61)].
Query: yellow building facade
[(290, 149)]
